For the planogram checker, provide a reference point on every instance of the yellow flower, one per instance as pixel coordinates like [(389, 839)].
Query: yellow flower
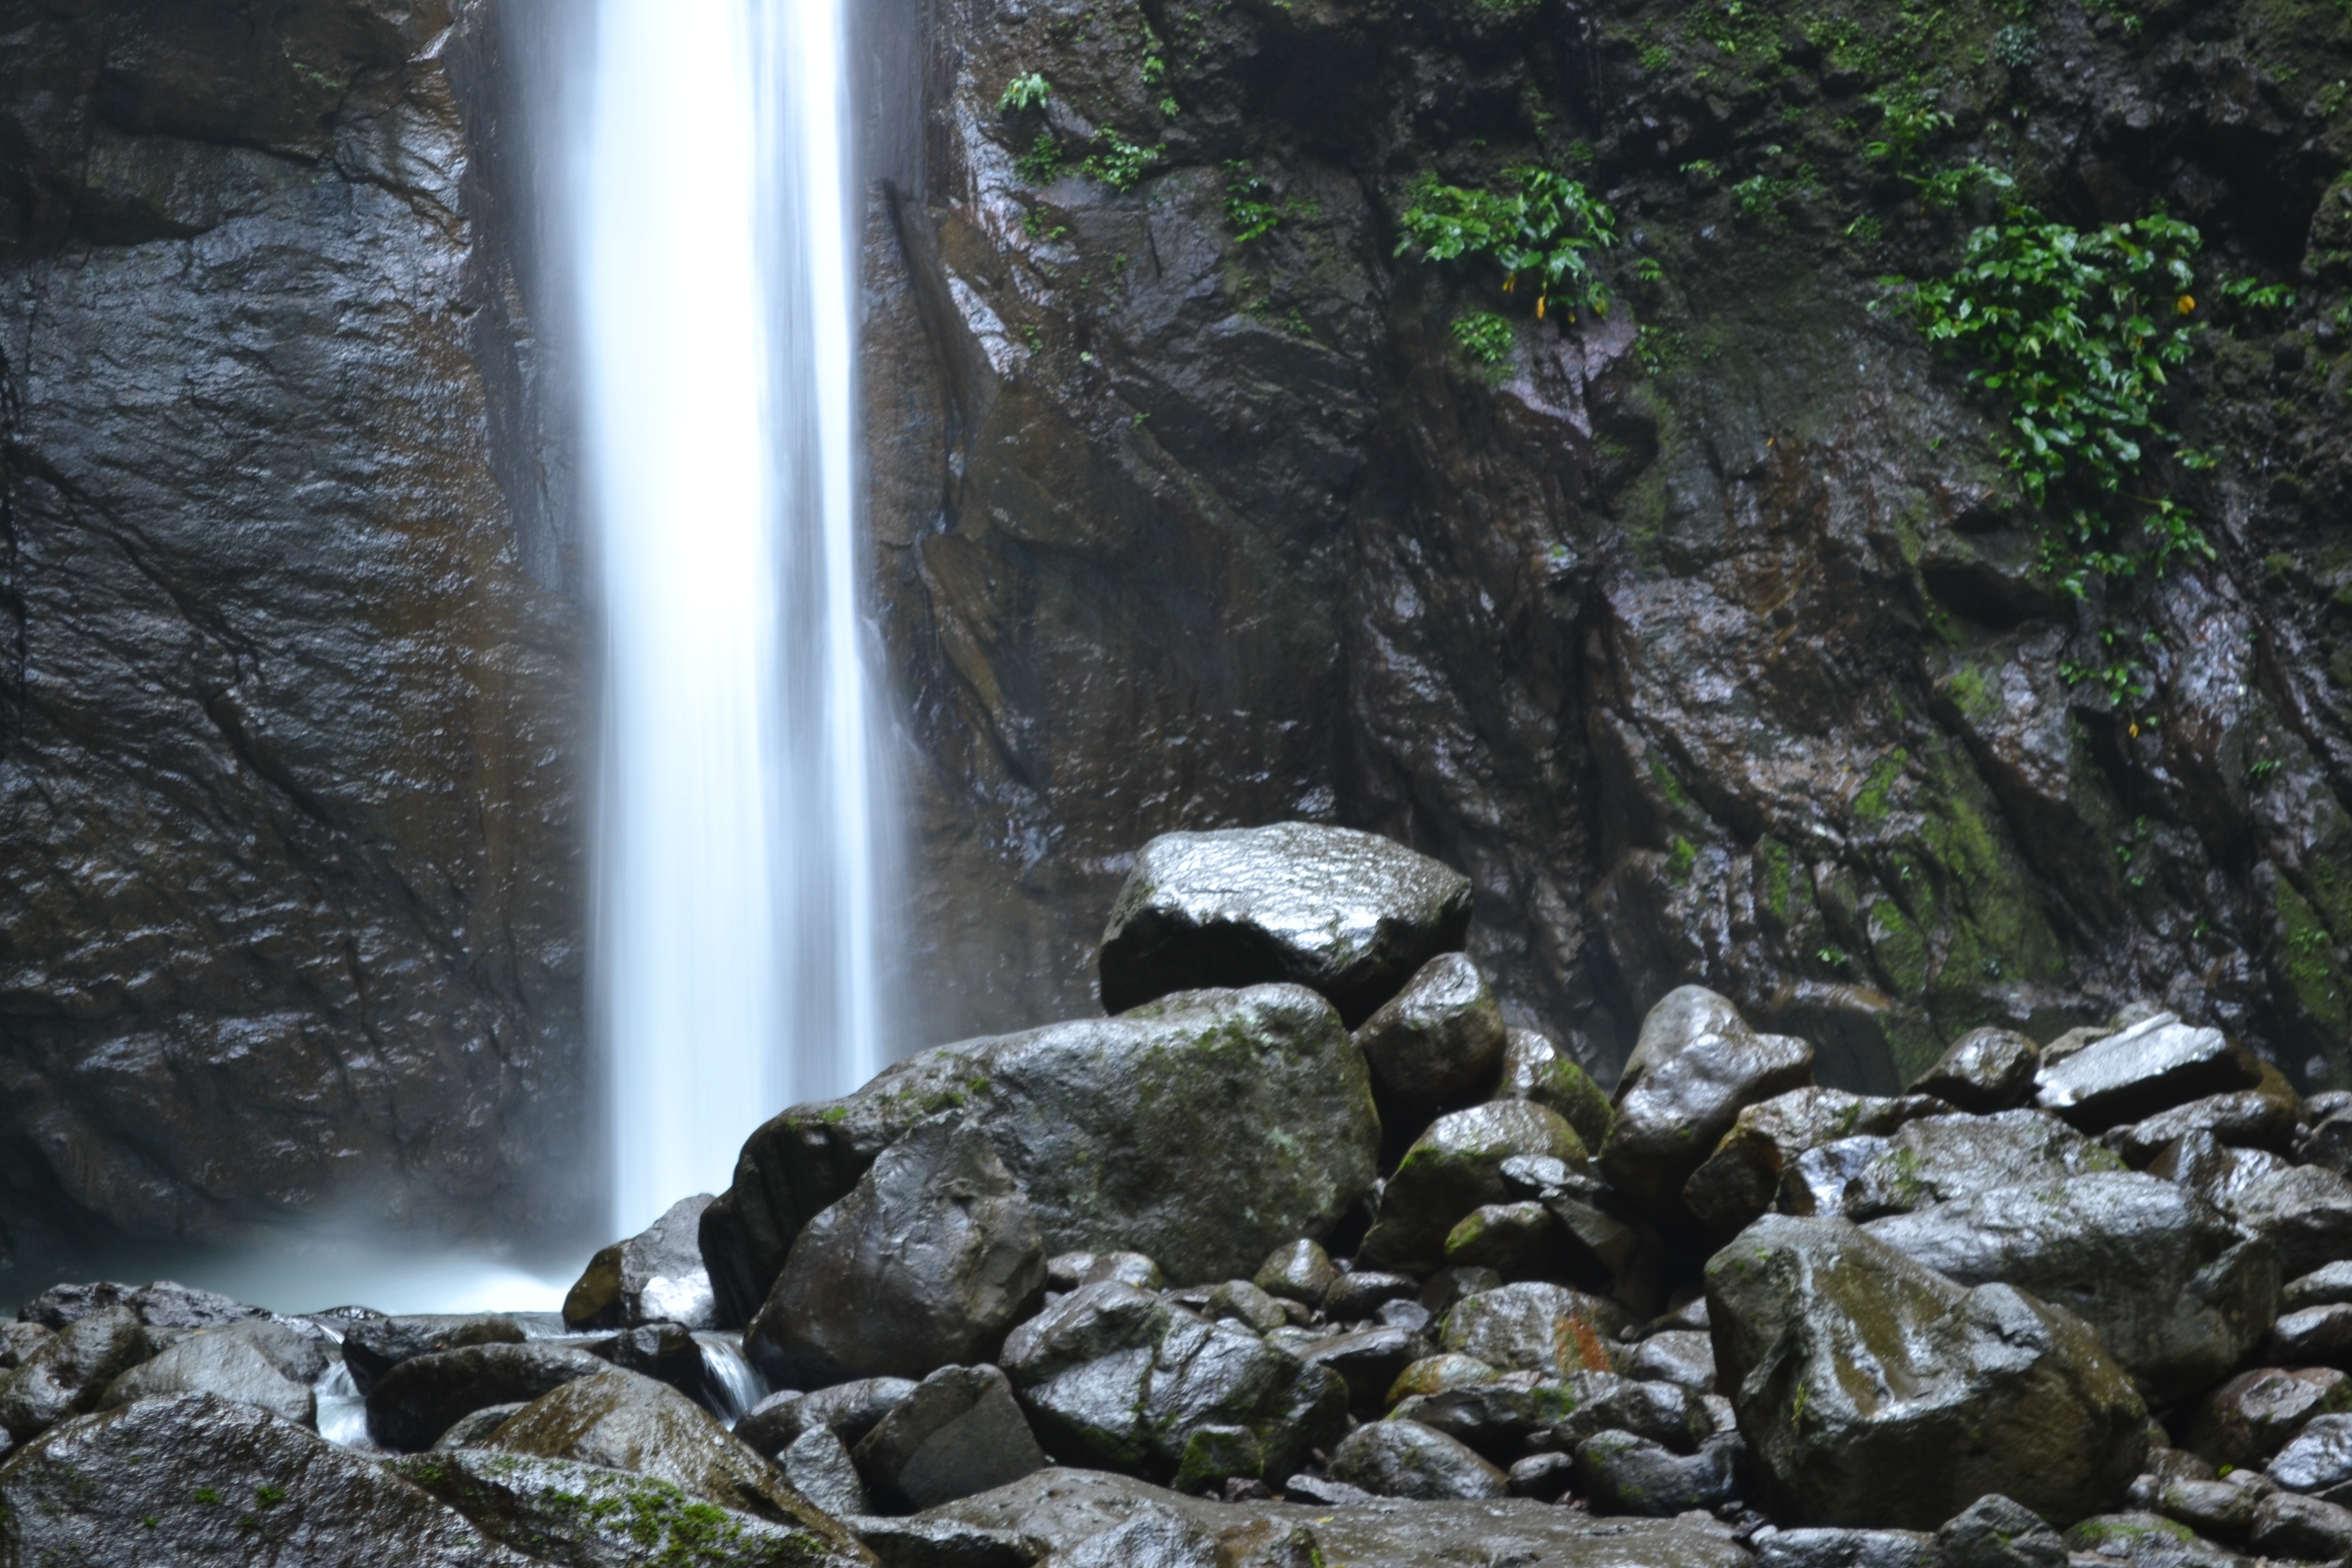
[(1540, 305), (2186, 304)]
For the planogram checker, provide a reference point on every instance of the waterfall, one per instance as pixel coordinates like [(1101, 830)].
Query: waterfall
[(736, 837)]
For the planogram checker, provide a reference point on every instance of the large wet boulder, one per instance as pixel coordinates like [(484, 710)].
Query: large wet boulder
[(1201, 1131), (2174, 1288), (1403, 1458), (196, 1481), (1534, 1069), (165, 1304), (655, 1276), (1873, 1391), (958, 1432), (1453, 1168), (271, 1366), (1624, 1473), (1537, 1327), (1695, 1067), (1117, 1377), (1438, 1039), (848, 1410), (2251, 1418), (1739, 1180), (927, 1263), (586, 1516), (374, 1346), (1939, 1159), (68, 1373), (1350, 914), (1984, 1071), (625, 1422), (2153, 1066), (423, 1396)]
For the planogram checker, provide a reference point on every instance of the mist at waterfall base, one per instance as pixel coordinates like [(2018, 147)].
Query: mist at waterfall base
[(734, 948)]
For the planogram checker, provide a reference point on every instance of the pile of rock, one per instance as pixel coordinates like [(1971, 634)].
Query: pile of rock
[(1304, 1256)]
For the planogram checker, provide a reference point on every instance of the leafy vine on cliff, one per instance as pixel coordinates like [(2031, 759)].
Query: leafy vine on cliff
[(1541, 230)]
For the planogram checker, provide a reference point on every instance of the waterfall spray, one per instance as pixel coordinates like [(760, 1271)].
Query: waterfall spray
[(735, 860)]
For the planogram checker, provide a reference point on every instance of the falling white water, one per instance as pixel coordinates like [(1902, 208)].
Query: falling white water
[(735, 948)]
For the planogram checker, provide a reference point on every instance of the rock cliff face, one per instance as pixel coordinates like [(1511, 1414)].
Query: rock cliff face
[(1705, 635), (291, 906)]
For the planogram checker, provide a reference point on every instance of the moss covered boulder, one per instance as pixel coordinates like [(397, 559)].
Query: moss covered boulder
[(1454, 1169), (1695, 1067)]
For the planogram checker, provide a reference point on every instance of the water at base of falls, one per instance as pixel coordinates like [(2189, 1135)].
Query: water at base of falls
[(736, 879)]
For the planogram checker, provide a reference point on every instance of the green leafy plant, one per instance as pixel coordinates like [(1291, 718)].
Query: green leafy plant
[(1043, 163), (2073, 331), (1483, 336), (1948, 187), (1247, 208), (1121, 163), (1028, 91), (1908, 122), (1539, 231)]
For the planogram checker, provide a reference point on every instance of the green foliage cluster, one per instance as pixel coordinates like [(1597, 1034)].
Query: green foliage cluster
[(1483, 336), (1248, 209), (1540, 230), (2075, 329), (1121, 163), (1026, 91), (1042, 164)]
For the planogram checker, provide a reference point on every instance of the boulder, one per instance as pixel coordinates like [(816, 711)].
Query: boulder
[(2247, 1118), (2224, 1509), (2153, 1066), (1064, 1510), (655, 1276), (1623, 1473), (2326, 1286), (1937, 1159), (2148, 1541), (374, 1346), (1403, 1458), (2329, 1146), (1241, 1120), (474, 1428), (1661, 1413), (1535, 1327), (1298, 1272), (848, 1410), (1534, 1069), (2315, 1336), (586, 1516), (1684, 1357), (1115, 1376), (2251, 1418), (1438, 1374), (162, 1305), (664, 1350), (1592, 1245), (1349, 914), (1453, 1168), (1517, 1241), (1438, 1039), (1695, 1068), (919, 1542), (262, 1364), (1153, 1538), (1821, 1181), (1543, 1476), (1360, 1295), (2316, 1459), (1244, 1303), (2174, 1289), (2303, 1528), (1495, 1416), (1740, 1179), (423, 1396), (196, 1481), (1369, 1361), (959, 1433), (68, 1373), (1875, 1393), (927, 1263), (1843, 1548), (1995, 1531), (2305, 1212), (627, 1422), (1984, 1071)]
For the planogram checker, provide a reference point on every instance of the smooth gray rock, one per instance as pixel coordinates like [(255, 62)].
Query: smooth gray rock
[(1453, 1168), (1984, 1071), (1875, 1393), (1517, 1241), (1247, 1305), (1824, 1182), (374, 1346), (2316, 1459), (927, 1263), (959, 1433), (2174, 1289), (1242, 1120), (1364, 1292), (2315, 1336), (2148, 1541), (165, 1304), (1623, 1473), (475, 1427), (1543, 1476), (1369, 1361), (2222, 1509), (1155, 1538), (1996, 1532), (68, 1373), (2326, 1286), (1695, 1068), (1495, 1418), (2329, 1146), (2151, 1067), (423, 1396), (1845, 1548), (1402, 1459), (1439, 1039), (1939, 1159), (1741, 1178), (624, 1421), (2251, 1118), (820, 1469), (2301, 1527), (1535, 1327), (928, 1542), (1685, 1357), (1114, 1376), (1660, 1413), (234, 1366), (1298, 1272), (2305, 1212), (2251, 1418), (1534, 1069), (849, 1410), (586, 1516), (1349, 914), (655, 1276), (196, 1481)]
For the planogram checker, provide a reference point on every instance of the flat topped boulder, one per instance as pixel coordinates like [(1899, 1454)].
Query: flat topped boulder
[(1202, 1130), (2155, 1064), (1350, 914)]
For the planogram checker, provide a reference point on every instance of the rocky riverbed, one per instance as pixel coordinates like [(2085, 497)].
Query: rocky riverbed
[(1305, 1259)]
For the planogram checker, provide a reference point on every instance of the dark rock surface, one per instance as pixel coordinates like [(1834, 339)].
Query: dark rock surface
[(1438, 1039), (1534, 1069), (162, 1305), (1984, 1071), (418, 1400), (1535, 1327), (1739, 1180), (1624, 1473), (1842, 1549), (2155, 1064), (1997, 1532), (1187, 1089), (289, 720), (1875, 1393), (928, 1262), (1402, 1458), (220, 1483), (1453, 1168), (68, 1373), (1695, 1067), (848, 1410), (655, 1277), (958, 1433), (1349, 914), (374, 1346), (2253, 1416), (263, 1363)]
